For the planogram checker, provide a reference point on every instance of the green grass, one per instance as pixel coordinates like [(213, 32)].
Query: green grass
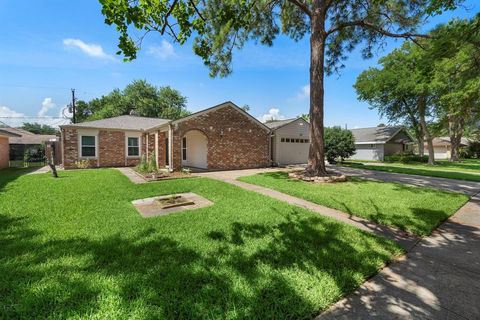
[(75, 247), (468, 170), (417, 210)]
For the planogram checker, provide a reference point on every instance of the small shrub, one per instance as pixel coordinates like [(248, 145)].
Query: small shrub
[(186, 171), (152, 164), (406, 158), (82, 164), (143, 165), (339, 144), (473, 149)]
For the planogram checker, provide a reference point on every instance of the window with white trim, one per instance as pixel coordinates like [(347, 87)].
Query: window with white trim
[(88, 147), (133, 146), (184, 148)]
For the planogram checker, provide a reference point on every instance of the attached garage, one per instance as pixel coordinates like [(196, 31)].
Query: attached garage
[(290, 141)]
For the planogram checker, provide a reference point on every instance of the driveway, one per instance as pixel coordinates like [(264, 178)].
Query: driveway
[(467, 187)]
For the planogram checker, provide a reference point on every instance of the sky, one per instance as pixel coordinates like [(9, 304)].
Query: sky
[(49, 47)]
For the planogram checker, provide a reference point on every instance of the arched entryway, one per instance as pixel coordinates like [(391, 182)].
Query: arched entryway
[(194, 149)]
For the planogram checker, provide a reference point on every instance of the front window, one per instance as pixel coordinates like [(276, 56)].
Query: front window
[(88, 146), (133, 145), (184, 148)]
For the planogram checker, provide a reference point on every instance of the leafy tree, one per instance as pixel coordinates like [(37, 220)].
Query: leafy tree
[(456, 77), (141, 97), (335, 27), (400, 90), (38, 128), (339, 144)]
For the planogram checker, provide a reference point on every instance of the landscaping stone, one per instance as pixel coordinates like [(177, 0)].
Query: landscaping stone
[(300, 175), (151, 207)]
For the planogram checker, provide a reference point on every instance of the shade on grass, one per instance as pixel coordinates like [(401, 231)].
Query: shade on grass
[(468, 170), (417, 210), (74, 247)]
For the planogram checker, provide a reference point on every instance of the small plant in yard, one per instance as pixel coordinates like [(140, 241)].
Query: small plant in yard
[(143, 165), (152, 164), (82, 164), (186, 171)]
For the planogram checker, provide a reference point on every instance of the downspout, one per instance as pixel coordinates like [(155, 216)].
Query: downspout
[(271, 135)]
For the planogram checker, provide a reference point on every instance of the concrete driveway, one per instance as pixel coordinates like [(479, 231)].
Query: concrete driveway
[(467, 187)]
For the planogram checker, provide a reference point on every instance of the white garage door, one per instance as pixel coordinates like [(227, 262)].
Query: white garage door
[(368, 152), (293, 152)]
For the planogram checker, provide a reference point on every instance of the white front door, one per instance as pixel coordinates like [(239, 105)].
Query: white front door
[(194, 150)]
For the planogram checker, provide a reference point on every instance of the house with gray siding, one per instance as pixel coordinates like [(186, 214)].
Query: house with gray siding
[(289, 141)]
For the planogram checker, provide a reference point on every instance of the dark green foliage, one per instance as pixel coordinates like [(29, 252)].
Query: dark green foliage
[(76, 248), (473, 149), (339, 144), (38, 128), (141, 97), (406, 158)]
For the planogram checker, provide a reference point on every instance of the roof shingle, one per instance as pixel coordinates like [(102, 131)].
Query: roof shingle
[(122, 123)]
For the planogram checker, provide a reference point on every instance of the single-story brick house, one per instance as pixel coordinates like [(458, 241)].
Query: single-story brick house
[(5, 147), (377, 142), (218, 138)]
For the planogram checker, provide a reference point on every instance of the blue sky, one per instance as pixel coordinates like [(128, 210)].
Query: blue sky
[(51, 46)]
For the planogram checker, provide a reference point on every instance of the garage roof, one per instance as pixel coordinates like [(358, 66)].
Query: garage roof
[(7, 133), (375, 134)]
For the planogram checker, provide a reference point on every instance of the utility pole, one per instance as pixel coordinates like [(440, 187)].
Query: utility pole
[(73, 107)]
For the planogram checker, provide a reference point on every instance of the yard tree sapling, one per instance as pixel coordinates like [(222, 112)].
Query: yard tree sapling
[(339, 144), (334, 27)]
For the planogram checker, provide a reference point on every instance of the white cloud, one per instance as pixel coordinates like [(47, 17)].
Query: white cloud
[(13, 118), (47, 104), (273, 114), (90, 49), (164, 51), (304, 92)]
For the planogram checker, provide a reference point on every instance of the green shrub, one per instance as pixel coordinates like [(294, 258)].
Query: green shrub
[(143, 165), (473, 149), (406, 158), (339, 144), (152, 163)]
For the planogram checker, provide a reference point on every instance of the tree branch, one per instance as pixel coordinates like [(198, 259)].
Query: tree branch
[(169, 12), (371, 26), (302, 5), (196, 10)]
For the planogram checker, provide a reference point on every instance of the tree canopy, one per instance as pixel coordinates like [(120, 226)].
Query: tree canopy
[(218, 27), (339, 144), (38, 128), (140, 97)]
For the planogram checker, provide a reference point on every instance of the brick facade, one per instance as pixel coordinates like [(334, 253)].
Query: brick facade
[(234, 140), (4, 152)]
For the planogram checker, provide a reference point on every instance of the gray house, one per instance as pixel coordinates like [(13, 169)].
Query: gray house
[(377, 142)]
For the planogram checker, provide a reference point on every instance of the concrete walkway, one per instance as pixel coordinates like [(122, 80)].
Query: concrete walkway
[(404, 239), (467, 187), (130, 174), (438, 279)]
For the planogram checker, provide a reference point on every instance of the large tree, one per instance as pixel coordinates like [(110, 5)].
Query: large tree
[(141, 97), (456, 77), (335, 27), (401, 91)]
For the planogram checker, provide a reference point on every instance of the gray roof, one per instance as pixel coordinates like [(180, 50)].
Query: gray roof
[(5, 132), (21, 136), (375, 134), (278, 123), (121, 123)]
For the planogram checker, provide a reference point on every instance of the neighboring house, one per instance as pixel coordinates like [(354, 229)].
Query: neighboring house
[(290, 141), (443, 148), (377, 142), (219, 138), (4, 147), (26, 141)]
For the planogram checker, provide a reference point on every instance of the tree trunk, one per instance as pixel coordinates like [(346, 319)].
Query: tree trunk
[(421, 147), (422, 106), (316, 156), (455, 128)]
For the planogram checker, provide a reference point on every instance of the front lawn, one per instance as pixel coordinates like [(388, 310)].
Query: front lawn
[(417, 210), (74, 247), (468, 170)]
